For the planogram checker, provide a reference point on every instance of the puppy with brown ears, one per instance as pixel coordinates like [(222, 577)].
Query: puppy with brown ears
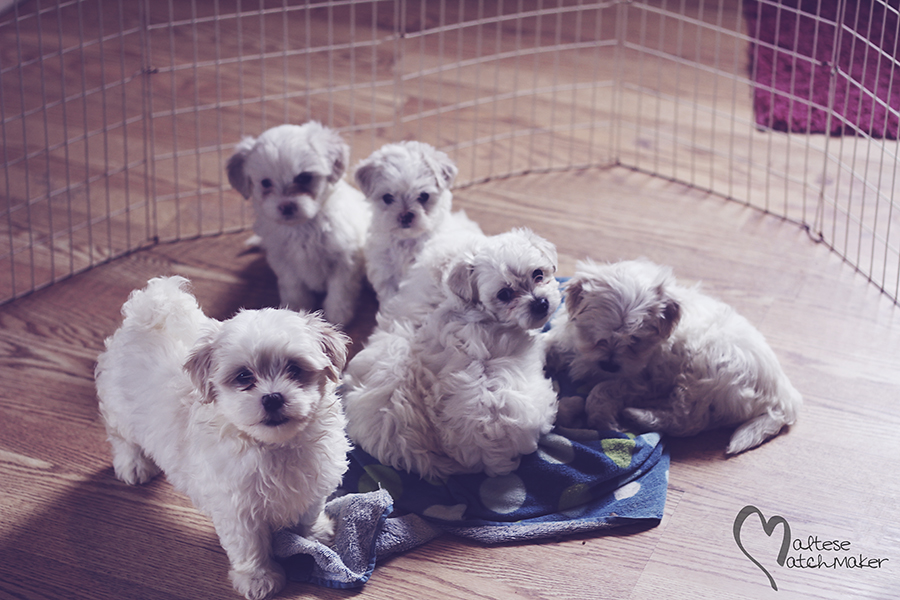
[(312, 224), (464, 390), (666, 357), (408, 185), (241, 415)]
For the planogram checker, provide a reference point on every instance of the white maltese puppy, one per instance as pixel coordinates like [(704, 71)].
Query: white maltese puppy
[(241, 415), (464, 391), (668, 357), (311, 223), (408, 185)]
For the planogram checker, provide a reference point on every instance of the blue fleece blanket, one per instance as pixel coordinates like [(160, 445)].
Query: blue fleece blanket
[(577, 481)]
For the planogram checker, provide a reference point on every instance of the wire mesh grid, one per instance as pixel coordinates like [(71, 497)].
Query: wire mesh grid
[(118, 115)]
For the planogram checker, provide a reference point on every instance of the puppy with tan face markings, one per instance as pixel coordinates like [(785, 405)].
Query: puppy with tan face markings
[(464, 390), (241, 415), (408, 185), (666, 357), (312, 224)]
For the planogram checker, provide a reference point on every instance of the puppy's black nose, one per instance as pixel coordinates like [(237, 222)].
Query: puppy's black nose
[(272, 402), (406, 219), (609, 366), (288, 210), (539, 307)]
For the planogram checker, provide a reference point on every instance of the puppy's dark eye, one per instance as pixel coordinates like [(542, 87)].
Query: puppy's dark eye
[(388, 199), (537, 276), (505, 295), (303, 179), (296, 372), (245, 379), (266, 183), (423, 197)]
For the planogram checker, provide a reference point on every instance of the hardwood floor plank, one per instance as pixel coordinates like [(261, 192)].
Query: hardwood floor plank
[(827, 475), (69, 529)]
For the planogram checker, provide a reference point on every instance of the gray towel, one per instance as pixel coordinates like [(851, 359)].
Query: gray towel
[(363, 532)]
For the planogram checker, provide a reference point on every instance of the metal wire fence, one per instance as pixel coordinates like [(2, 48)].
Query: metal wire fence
[(118, 115)]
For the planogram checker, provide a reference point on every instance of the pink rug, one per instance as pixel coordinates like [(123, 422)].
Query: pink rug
[(802, 64)]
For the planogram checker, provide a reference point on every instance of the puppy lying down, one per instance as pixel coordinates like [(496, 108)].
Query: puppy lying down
[(666, 357)]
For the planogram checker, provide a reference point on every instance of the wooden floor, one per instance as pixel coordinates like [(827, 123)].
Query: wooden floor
[(69, 530)]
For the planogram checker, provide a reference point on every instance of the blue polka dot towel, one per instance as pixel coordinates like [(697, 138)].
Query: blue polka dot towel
[(578, 480)]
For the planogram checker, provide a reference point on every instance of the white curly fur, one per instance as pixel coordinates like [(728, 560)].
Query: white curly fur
[(241, 415), (408, 185), (311, 223), (666, 357), (464, 390)]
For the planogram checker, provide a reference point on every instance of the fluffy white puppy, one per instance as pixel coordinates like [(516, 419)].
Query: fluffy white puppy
[(464, 391), (241, 415), (311, 223), (408, 185), (668, 357)]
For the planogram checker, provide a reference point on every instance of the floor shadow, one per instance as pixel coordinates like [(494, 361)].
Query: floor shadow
[(707, 446), (104, 539)]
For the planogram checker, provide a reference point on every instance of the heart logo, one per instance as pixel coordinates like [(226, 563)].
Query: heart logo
[(768, 527)]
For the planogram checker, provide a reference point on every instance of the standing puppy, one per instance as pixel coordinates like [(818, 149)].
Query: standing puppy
[(665, 356), (464, 391), (241, 415), (312, 223), (408, 185)]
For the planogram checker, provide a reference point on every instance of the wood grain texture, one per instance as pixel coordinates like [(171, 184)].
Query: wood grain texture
[(70, 530)]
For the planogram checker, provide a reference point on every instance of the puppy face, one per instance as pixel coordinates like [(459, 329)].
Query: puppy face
[(267, 371), (512, 277), (621, 313), (409, 185), (288, 170)]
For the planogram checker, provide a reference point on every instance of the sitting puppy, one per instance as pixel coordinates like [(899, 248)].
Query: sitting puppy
[(463, 391), (408, 185), (241, 415), (666, 356), (311, 223)]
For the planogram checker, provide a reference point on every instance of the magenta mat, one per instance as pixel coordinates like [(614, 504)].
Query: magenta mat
[(802, 63)]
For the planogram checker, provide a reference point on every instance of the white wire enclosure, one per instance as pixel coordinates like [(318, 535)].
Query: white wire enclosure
[(118, 115)]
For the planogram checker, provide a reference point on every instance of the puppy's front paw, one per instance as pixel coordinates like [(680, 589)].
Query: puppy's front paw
[(136, 473), (643, 417), (322, 530), (339, 306), (570, 412), (131, 466), (260, 583)]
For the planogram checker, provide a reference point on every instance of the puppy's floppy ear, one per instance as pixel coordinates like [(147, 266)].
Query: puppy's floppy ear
[(334, 345), (574, 291), (199, 366), (671, 309), (444, 168), (335, 150), (670, 316), (237, 176), (461, 281), (366, 174)]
